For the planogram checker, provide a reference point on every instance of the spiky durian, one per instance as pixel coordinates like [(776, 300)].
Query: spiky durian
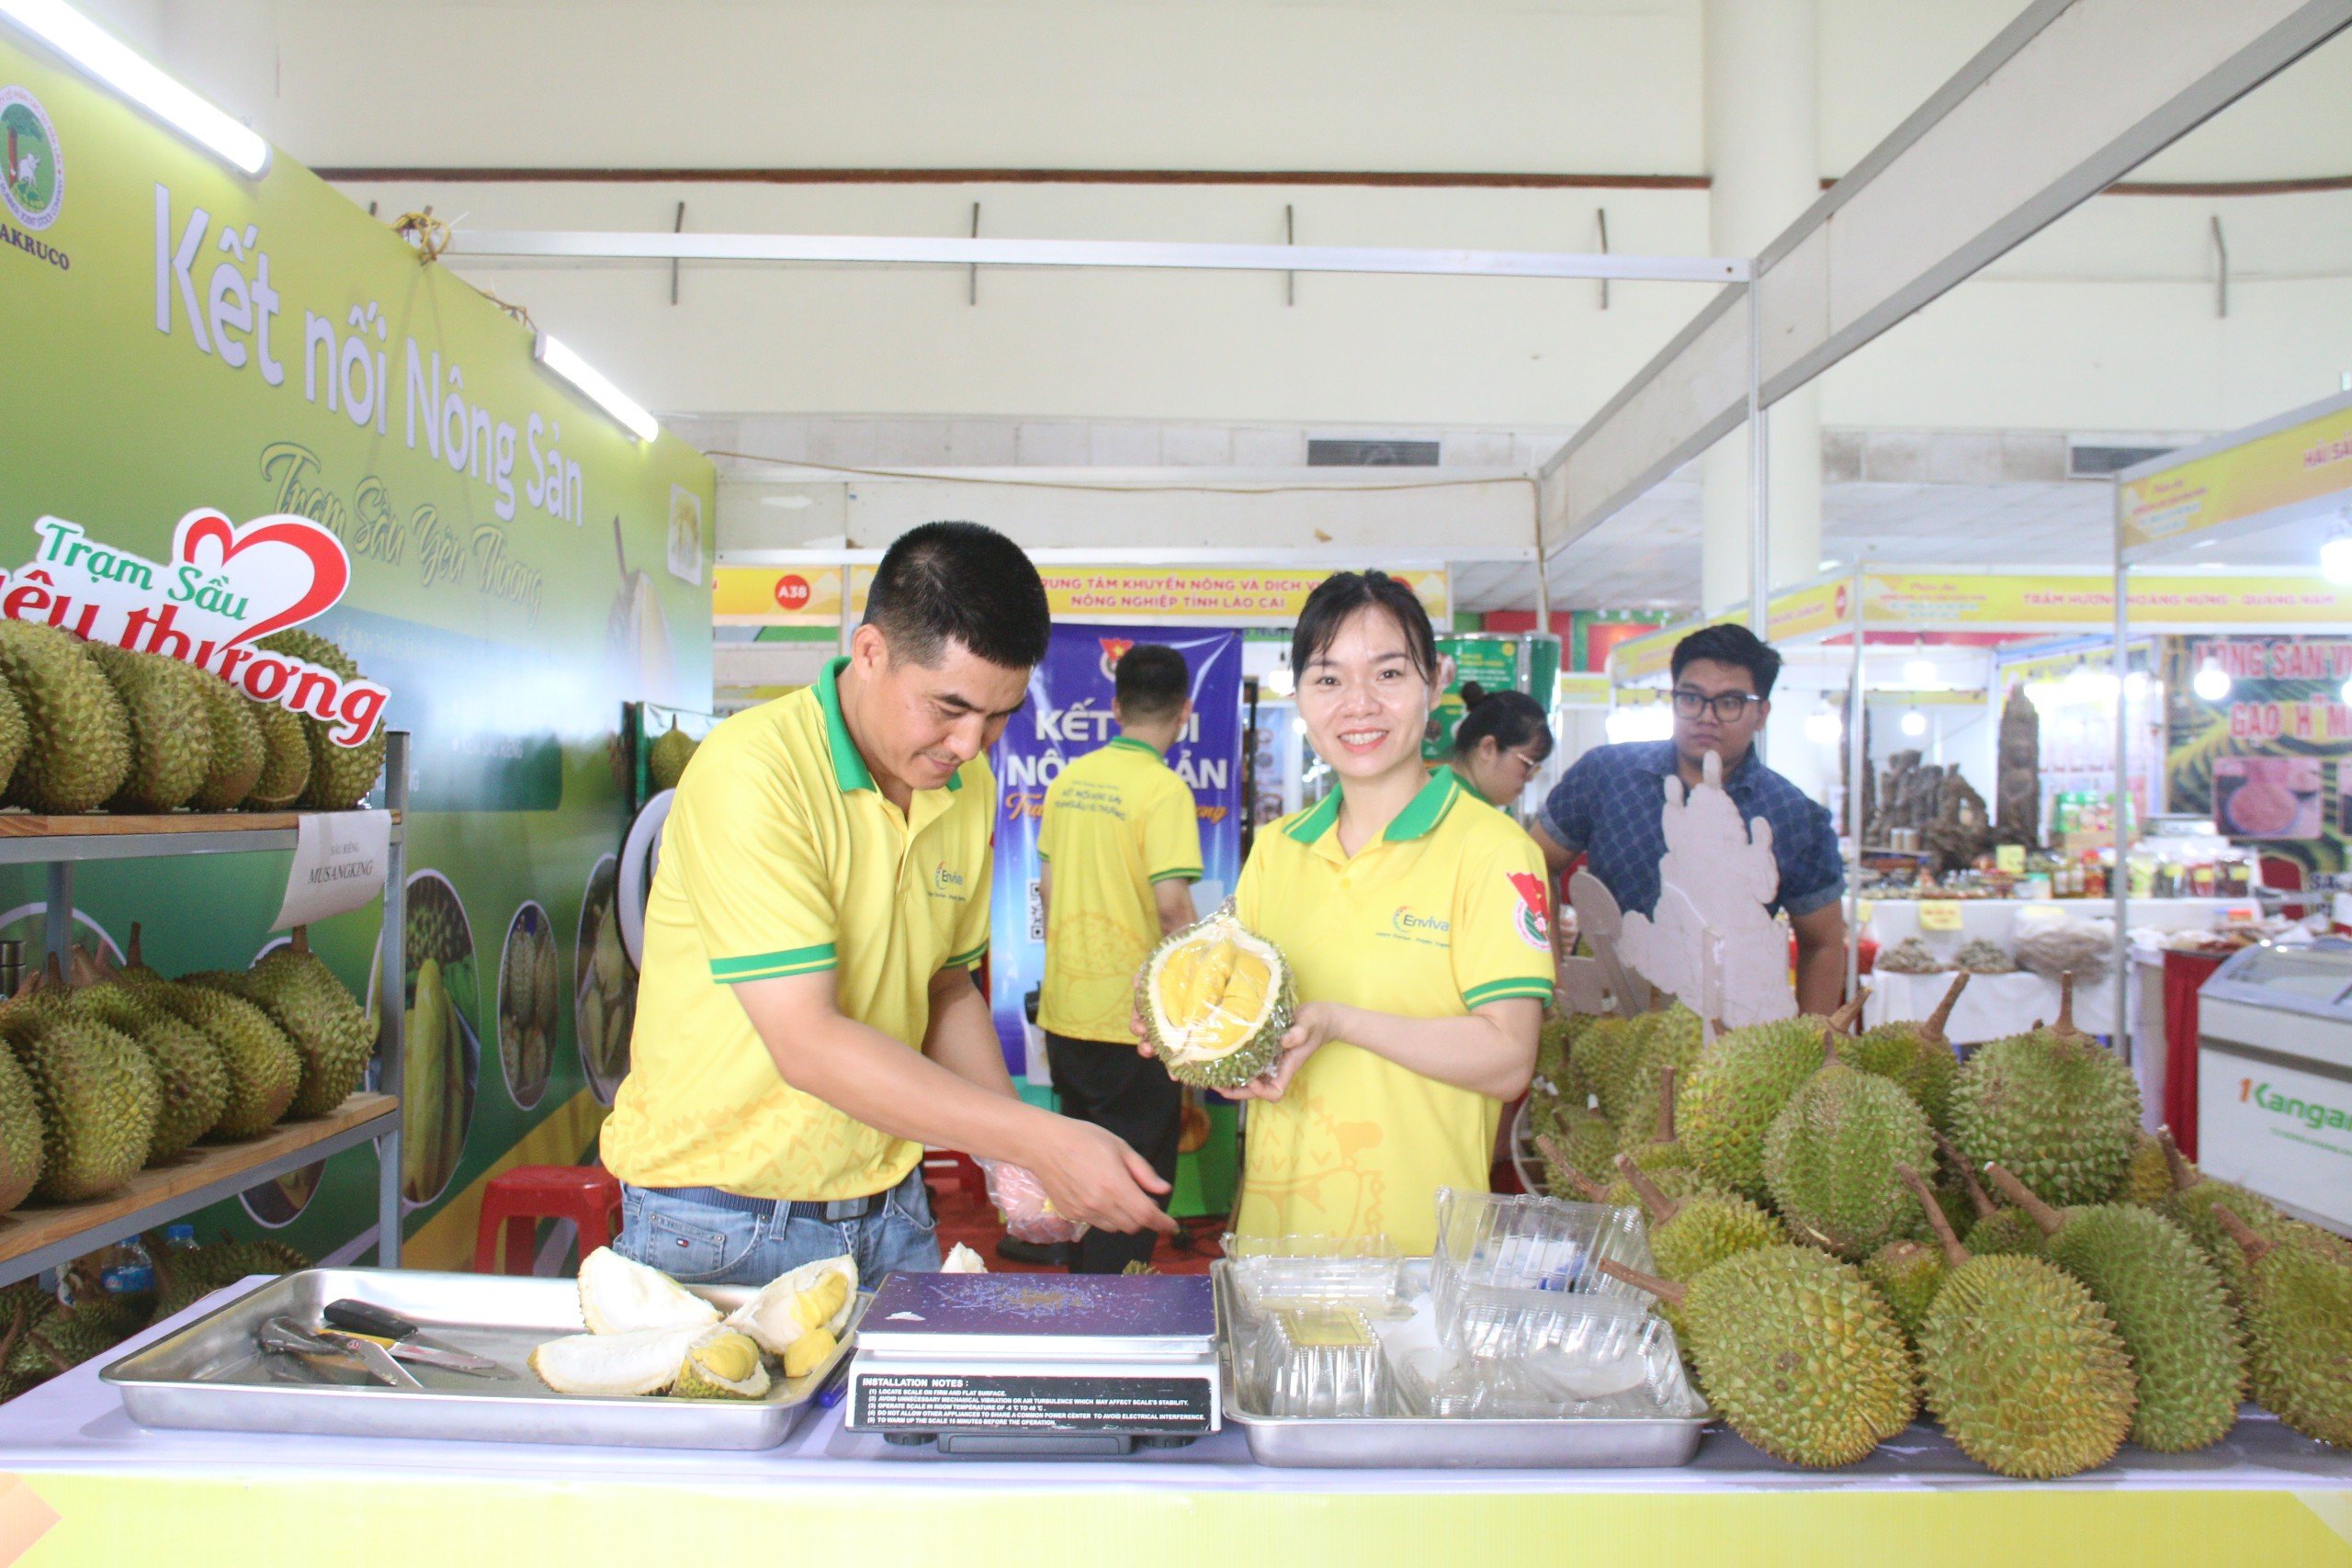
[(188, 1069), (77, 750), (1917, 1057), (238, 752), (1796, 1351), (341, 776), (14, 735), (666, 759), (96, 1089), (2168, 1305), (170, 731), (328, 1028), (1689, 1235), (2022, 1366), (21, 1132), (1737, 1086), (263, 1068), (1908, 1275), (2299, 1318), (285, 759), (2052, 1107), (1830, 1158)]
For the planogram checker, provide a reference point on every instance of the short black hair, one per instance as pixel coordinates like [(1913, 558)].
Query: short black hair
[(1341, 594), (1513, 718), (1152, 680), (960, 583), (1733, 644)]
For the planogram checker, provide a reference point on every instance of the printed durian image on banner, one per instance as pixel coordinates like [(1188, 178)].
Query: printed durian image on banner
[(188, 344)]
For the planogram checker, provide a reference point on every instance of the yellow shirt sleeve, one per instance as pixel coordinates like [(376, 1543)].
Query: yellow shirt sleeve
[(1171, 835), (1502, 933), (747, 859)]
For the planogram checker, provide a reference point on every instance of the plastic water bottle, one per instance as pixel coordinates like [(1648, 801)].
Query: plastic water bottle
[(127, 1273)]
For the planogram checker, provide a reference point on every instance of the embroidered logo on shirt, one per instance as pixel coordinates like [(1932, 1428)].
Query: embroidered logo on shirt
[(1403, 922), (947, 883), (1533, 915)]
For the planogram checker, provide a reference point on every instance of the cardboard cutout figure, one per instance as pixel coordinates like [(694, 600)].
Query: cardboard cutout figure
[(1712, 940)]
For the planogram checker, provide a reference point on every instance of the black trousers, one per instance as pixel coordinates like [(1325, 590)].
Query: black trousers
[(1121, 1091)]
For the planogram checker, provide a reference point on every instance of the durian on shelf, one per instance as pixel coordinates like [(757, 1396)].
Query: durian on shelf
[(90, 725)]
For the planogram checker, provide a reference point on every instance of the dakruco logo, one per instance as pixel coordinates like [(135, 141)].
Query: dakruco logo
[(225, 588)]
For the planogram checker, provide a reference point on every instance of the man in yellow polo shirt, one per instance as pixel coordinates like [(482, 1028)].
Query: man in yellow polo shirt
[(1120, 843), (806, 1020)]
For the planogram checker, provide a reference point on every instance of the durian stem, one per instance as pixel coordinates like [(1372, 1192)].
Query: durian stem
[(2183, 1177), (1934, 1027), (18, 1322), (2051, 1220), (1664, 1290), (1666, 1104), (1954, 1253), (1830, 1048), (1661, 1207), (56, 1358), (54, 973), (2064, 1028), (300, 941), (132, 956), (1593, 1192), (1974, 1189), (2254, 1247), (1846, 1017)]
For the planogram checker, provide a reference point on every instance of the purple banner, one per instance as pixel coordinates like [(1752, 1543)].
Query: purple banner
[(1068, 715)]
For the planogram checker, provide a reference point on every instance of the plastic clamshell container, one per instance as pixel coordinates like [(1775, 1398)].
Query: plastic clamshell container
[(1322, 1361), (1363, 1271), (1520, 1277)]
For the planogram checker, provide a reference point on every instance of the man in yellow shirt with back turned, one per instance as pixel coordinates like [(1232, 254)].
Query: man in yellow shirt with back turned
[(1121, 846), (806, 1020)]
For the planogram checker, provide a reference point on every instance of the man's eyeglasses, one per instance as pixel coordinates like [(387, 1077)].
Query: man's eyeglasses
[(1729, 707)]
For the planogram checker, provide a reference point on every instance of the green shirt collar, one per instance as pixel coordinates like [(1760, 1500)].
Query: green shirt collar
[(849, 770), (1134, 745), (1417, 820)]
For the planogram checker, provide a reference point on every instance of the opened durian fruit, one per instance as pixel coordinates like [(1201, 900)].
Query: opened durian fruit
[(1215, 999), (649, 1335)]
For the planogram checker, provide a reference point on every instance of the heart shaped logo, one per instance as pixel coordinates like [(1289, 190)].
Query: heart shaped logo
[(287, 568)]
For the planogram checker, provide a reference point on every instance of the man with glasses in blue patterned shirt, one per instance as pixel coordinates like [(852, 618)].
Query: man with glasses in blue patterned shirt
[(1610, 805)]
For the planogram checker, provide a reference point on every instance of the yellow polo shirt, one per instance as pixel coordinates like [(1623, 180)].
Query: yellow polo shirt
[(781, 857), (1445, 912), (1116, 820)]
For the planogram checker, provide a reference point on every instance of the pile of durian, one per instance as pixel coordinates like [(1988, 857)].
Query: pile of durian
[(649, 1335), (90, 726), (43, 1333), (108, 1071), (1819, 1282)]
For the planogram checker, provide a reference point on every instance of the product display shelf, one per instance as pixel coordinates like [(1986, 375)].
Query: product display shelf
[(35, 1238), (40, 1236)]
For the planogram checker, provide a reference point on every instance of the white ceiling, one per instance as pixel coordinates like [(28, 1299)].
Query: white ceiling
[(1649, 553)]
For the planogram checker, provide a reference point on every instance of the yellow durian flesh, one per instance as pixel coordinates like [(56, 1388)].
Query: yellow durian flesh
[(1214, 1000), (723, 1365), (808, 1352), (775, 1319)]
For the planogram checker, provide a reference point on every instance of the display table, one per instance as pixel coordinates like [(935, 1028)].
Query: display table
[(80, 1484)]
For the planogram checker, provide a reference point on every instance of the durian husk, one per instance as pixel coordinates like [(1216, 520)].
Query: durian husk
[(1215, 999)]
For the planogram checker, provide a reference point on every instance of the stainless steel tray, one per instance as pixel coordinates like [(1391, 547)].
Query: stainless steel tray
[(1435, 1443), (210, 1374)]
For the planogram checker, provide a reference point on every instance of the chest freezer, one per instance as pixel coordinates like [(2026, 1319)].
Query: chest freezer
[(2274, 1077)]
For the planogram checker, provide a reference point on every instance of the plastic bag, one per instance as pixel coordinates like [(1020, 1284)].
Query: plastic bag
[(1028, 1214)]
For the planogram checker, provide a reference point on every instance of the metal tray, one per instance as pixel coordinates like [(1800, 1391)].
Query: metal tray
[(211, 1375), (1436, 1443)]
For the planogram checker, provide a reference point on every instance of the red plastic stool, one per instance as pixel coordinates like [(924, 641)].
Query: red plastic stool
[(945, 1170), (587, 1195)]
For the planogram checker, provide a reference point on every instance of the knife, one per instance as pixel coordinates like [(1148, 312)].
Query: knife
[(402, 1338), (283, 1334)]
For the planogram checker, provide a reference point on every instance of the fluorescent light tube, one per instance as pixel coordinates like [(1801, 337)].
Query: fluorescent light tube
[(123, 68), (553, 354)]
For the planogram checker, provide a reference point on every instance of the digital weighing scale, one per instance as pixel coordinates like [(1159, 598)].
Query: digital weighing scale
[(1024, 1364)]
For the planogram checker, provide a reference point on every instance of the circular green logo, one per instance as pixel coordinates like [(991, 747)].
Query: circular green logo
[(33, 174)]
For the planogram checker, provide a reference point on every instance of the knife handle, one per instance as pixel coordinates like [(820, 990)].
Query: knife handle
[(363, 1318)]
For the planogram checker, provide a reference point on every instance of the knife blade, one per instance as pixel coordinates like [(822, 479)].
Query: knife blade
[(371, 1355), (429, 1355), (401, 1337)]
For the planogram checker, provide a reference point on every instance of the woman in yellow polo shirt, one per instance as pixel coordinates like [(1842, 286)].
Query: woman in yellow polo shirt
[(1414, 915)]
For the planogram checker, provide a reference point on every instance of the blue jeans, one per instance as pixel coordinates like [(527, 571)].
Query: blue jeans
[(702, 1244)]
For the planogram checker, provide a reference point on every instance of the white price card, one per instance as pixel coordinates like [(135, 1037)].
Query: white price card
[(339, 864)]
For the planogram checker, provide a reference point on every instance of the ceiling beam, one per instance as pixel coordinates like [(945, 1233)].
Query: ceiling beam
[(2073, 95)]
